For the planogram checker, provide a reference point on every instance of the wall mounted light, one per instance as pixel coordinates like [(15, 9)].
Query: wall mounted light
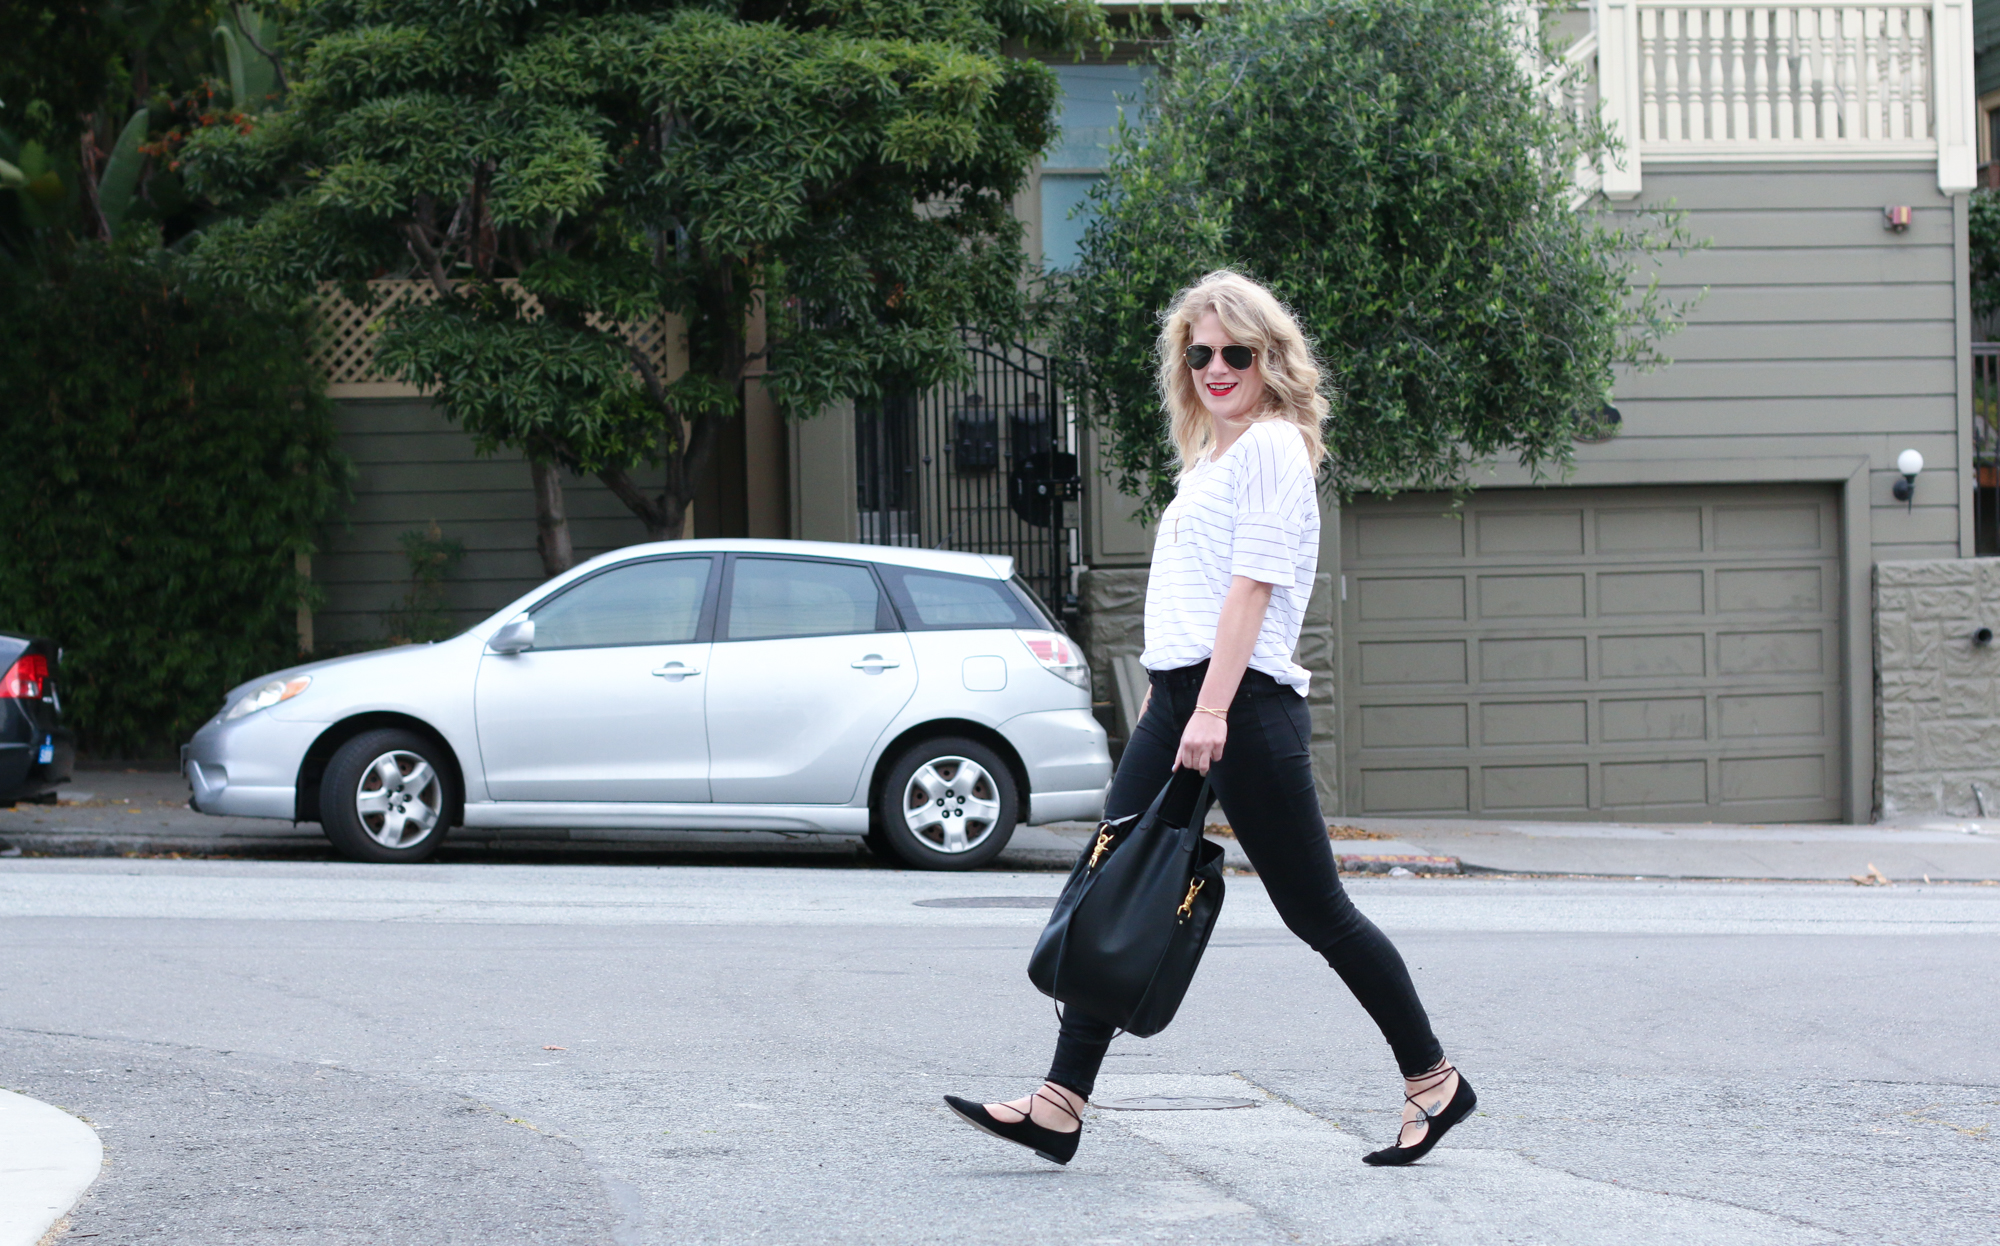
[(1910, 463), (1982, 638), (1896, 219)]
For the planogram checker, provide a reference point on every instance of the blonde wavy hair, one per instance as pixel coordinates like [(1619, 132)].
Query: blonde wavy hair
[(1253, 317)]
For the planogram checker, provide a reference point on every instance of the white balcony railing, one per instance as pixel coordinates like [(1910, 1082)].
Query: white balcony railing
[(1785, 75), (1683, 81)]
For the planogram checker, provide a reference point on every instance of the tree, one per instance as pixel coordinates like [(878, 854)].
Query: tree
[(94, 97), (841, 168), (1392, 172), (183, 458), (1983, 236)]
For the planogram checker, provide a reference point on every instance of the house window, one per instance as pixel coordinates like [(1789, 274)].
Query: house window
[(1093, 97)]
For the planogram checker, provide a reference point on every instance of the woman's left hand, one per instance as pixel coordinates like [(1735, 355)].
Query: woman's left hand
[(1202, 741)]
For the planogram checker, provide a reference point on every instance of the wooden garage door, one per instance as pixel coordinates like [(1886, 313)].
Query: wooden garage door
[(1625, 654)]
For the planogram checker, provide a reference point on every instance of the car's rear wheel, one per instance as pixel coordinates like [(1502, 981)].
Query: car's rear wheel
[(386, 797), (946, 804)]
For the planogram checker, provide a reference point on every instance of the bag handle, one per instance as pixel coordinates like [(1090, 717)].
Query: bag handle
[(1198, 815)]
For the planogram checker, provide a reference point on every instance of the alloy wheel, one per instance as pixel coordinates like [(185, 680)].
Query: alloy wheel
[(399, 799), (951, 804)]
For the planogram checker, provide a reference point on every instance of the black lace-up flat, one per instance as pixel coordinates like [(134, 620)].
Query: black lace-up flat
[(1057, 1148), (1461, 1105)]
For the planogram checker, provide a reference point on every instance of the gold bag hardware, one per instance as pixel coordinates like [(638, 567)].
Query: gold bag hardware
[(1103, 845), (1187, 906)]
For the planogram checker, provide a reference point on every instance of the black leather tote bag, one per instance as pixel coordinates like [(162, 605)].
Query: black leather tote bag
[(1134, 918)]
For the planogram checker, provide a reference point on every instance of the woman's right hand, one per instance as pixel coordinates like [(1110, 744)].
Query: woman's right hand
[(1202, 741)]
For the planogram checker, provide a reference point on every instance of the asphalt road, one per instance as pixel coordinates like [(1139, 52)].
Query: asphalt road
[(284, 1052)]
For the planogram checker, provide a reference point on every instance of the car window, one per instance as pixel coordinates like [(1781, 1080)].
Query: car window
[(1036, 606), (771, 597), (642, 603), (934, 599)]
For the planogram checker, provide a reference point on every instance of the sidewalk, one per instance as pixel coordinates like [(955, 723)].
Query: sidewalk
[(48, 1158), (113, 813), (1942, 849)]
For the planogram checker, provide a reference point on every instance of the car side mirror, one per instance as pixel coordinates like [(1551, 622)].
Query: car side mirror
[(513, 636)]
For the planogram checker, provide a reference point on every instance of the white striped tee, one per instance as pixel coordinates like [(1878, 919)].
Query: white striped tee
[(1253, 512)]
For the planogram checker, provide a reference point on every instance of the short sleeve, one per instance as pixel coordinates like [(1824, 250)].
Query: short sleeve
[(1272, 484)]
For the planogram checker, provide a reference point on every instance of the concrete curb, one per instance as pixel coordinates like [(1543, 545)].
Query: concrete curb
[(1038, 848), (48, 1158), (1058, 843), (1383, 863), (59, 844)]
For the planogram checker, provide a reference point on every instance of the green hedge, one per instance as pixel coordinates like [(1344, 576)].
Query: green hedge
[(169, 454), (1985, 239)]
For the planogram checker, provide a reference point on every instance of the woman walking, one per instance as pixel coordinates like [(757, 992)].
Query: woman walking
[(1232, 573)]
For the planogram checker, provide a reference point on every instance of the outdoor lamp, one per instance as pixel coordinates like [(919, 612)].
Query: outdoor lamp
[(1909, 462)]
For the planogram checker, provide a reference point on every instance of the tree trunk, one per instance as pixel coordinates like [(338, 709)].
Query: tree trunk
[(551, 523), (664, 517), (690, 441)]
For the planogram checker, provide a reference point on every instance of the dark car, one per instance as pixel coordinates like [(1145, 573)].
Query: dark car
[(36, 750)]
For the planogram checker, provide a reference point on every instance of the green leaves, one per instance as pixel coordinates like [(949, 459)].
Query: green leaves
[(115, 189), (1983, 230), (232, 58), (252, 75), (627, 162), (1386, 166), (184, 455)]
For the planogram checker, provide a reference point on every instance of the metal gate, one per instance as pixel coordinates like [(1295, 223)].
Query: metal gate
[(987, 465)]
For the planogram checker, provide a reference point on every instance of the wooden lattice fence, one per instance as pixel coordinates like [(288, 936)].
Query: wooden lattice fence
[(345, 335)]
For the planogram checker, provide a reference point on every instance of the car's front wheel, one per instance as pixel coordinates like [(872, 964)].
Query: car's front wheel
[(946, 804), (385, 797)]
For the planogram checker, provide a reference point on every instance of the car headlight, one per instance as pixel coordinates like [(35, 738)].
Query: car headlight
[(267, 696)]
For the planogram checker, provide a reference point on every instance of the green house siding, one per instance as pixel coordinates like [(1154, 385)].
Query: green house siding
[(1821, 334), (1986, 46), (414, 468)]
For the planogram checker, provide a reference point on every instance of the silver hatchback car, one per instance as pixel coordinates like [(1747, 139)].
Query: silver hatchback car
[(923, 699)]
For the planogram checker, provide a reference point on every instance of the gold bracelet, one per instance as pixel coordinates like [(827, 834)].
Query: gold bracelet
[(1210, 709)]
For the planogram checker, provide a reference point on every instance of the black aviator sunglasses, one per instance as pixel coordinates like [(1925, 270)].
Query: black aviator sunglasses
[(1237, 357)]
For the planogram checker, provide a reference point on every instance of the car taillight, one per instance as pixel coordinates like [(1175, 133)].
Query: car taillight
[(26, 680), (1059, 654)]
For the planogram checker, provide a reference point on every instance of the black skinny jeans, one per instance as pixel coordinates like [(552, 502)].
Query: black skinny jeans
[(1264, 782)]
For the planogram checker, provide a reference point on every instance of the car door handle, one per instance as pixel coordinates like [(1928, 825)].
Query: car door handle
[(676, 670), (874, 664)]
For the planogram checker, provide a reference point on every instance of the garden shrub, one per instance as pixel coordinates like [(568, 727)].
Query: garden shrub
[(171, 453), (422, 615)]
